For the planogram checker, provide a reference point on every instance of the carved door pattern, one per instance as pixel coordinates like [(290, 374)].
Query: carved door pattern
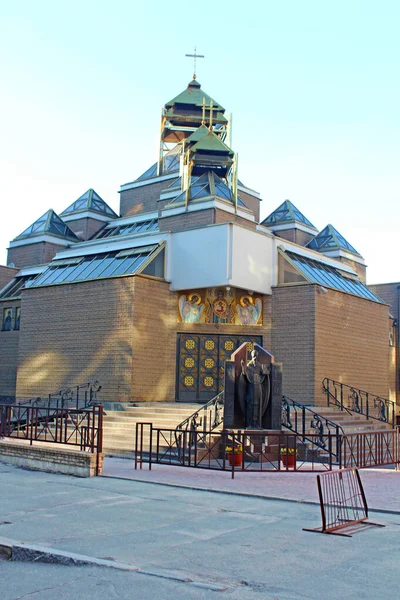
[(201, 364)]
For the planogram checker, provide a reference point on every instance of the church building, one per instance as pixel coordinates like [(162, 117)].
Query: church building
[(152, 301)]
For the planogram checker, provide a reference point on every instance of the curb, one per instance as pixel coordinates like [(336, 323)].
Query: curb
[(19, 551)]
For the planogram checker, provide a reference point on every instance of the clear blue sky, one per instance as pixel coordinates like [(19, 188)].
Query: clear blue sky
[(313, 87)]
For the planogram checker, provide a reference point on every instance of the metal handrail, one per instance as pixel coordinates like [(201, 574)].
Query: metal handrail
[(294, 418), (208, 417), (78, 397), (354, 400)]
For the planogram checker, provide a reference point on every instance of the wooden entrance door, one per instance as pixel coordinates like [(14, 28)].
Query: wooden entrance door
[(201, 364)]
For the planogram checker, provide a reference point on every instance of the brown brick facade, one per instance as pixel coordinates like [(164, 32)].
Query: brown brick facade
[(332, 335), (187, 220), (352, 342), (252, 203), (85, 228), (361, 270), (77, 333), (33, 254), (293, 339), (200, 218), (6, 275), (390, 293), (295, 235), (8, 352), (142, 199)]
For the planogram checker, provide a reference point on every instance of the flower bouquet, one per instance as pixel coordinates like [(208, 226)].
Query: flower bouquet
[(288, 456), (235, 454)]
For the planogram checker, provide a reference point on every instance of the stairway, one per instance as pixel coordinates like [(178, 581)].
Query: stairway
[(350, 423), (119, 427)]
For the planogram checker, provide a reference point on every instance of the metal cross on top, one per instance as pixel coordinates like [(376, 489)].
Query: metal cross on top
[(195, 56)]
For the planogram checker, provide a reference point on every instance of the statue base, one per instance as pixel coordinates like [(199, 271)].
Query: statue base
[(260, 445)]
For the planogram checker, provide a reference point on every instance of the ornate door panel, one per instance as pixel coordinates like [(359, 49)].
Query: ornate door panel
[(201, 364), (188, 367)]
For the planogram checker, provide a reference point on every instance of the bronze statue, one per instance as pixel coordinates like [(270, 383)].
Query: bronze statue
[(254, 391)]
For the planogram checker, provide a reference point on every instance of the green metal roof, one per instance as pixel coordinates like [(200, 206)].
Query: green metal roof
[(198, 134), (90, 200), (211, 143), (194, 95), (330, 239), (51, 223)]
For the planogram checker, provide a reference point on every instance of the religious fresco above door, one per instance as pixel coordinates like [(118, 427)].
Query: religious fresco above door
[(220, 305)]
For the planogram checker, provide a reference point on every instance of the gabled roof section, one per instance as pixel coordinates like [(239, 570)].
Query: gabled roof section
[(330, 239), (211, 143), (49, 223), (287, 213), (194, 95), (198, 134), (97, 266), (90, 200), (328, 276)]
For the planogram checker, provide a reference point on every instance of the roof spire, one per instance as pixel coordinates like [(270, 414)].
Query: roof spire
[(195, 56)]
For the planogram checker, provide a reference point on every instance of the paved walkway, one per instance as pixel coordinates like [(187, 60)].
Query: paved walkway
[(382, 486), (187, 544)]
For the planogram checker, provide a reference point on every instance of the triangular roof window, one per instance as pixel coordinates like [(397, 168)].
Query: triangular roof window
[(90, 200), (171, 163), (286, 213), (50, 222), (330, 239), (201, 188)]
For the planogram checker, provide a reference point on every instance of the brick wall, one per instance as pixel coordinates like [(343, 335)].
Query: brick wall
[(75, 333), (390, 293), (141, 199), (8, 353), (33, 254), (154, 341), (85, 228), (6, 274), (186, 220), (295, 235), (361, 270), (332, 335), (293, 339), (252, 203), (225, 217), (352, 342), (50, 459)]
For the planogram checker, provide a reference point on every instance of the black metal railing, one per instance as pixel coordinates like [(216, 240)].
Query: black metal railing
[(207, 417), (83, 427), (77, 397), (313, 428), (353, 400), (263, 450)]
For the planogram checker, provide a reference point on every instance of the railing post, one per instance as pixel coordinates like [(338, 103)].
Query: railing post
[(304, 423), (367, 403)]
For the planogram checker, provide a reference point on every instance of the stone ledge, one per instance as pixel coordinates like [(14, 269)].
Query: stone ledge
[(51, 460)]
